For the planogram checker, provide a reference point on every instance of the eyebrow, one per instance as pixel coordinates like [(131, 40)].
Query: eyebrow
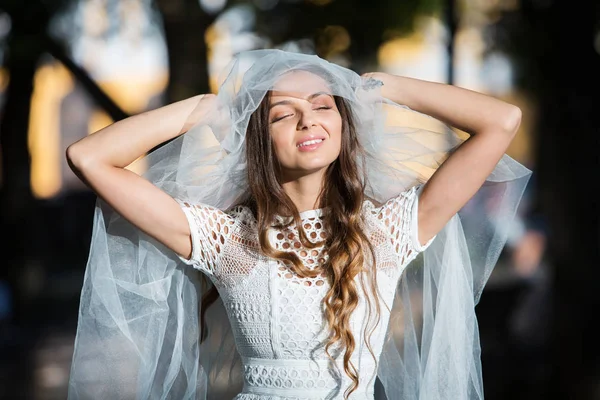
[(312, 96)]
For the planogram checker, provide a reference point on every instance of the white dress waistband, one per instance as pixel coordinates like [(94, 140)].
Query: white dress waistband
[(313, 379)]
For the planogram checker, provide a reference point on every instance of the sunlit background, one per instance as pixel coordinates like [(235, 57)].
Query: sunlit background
[(106, 59), (122, 47)]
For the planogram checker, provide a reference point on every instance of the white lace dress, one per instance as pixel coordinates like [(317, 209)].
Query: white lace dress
[(277, 317)]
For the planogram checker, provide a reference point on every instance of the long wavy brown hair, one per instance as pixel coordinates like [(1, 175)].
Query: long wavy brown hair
[(350, 251)]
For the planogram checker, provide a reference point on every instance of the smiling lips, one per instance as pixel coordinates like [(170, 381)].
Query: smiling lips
[(310, 143)]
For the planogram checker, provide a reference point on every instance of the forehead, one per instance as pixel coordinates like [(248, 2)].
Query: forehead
[(300, 84)]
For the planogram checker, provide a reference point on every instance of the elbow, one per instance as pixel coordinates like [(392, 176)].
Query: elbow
[(512, 121), (73, 157), (77, 158)]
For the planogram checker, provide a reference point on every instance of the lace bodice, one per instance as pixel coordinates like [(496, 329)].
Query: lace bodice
[(277, 317)]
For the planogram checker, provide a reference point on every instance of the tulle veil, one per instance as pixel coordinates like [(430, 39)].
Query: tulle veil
[(138, 334)]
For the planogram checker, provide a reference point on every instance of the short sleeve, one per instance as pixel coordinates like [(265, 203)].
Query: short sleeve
[(414, 221), (210, 230), (399, 216)]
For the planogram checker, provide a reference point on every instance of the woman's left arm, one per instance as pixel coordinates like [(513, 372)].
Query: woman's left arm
[(492, 124)]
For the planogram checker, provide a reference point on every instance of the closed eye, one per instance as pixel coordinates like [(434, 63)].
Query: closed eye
[(289, 115), (280, 118)]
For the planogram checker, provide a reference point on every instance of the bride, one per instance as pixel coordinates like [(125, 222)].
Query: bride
[(304, 194)]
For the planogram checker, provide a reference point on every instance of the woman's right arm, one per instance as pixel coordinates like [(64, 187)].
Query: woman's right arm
[(99, 160)]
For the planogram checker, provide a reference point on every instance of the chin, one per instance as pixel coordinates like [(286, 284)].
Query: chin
[(315, 165), (304, 170)]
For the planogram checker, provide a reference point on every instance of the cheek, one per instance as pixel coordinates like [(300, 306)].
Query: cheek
[(335, 129), (280, 141)]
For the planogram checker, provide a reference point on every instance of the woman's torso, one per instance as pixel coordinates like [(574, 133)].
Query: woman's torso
[(277, 318)]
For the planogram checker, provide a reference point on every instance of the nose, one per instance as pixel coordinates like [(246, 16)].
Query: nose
[(307, 120)]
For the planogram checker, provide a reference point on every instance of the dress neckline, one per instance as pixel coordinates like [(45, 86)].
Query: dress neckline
[(307, 214), (317, 212)]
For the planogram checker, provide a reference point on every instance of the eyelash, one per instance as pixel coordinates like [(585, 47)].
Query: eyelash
[(287, 115)]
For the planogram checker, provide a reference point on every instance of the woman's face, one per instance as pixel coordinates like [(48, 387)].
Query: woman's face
[(304, 123)]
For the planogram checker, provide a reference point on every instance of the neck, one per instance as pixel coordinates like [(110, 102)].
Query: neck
[(304, 191)]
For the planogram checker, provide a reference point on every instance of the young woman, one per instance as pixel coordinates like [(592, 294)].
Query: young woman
[(304, 214)]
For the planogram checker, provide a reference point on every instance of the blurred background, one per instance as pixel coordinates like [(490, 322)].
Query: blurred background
[(71, 67)]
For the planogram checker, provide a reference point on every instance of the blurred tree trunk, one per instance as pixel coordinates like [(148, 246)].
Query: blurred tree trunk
[(185, 25), (17, 220), (559, 66), (27, 42), (569, 141), (367, 26), (569, 180)]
